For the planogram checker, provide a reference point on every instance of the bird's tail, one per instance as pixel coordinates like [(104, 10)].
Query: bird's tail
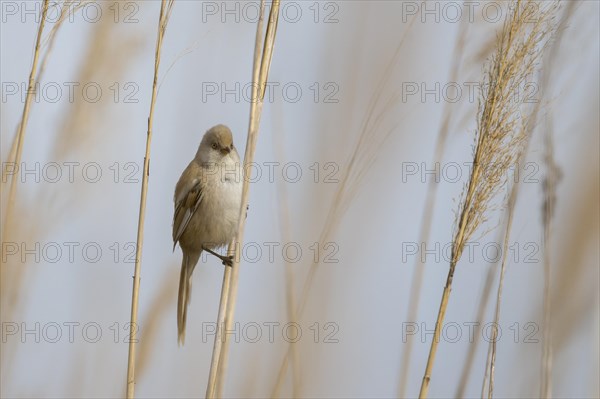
[(185, 293)]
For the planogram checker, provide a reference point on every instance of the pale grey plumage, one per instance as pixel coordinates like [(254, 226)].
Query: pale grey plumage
[(207, 205)]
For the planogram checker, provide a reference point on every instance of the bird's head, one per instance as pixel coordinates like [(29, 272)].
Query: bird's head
[(216, 144)]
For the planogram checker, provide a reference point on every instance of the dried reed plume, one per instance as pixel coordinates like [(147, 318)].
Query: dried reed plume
[(499, 139), (165, 12), (260, 73), (153, 319), (553, 174)]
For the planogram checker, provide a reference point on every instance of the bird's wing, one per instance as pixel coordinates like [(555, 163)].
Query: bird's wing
[(186, 204)]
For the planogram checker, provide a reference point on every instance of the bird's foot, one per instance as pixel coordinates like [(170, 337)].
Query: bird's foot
[(227, 260)]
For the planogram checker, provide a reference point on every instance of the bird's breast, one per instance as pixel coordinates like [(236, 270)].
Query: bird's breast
[(220, 208)]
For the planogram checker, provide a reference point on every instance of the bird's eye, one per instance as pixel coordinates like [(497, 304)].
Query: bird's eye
[(214, 146)]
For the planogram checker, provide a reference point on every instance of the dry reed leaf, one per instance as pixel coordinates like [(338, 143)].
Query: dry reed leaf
[(285, 229), (484, 298), (371, 139), (152, 320), (512, 198), (573, 292), (71, 138), (428, 209)]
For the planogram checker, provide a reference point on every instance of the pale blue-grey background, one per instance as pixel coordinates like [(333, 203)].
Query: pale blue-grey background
[(366, 292)]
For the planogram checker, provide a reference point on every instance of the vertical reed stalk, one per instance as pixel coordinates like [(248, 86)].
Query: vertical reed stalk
[(218, 343), (260, 74), (442, 311), (212, 387), (23, 124), (165, 8), (265, 65)]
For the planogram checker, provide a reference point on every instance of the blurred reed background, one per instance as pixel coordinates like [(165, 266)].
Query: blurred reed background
[(362, 102)]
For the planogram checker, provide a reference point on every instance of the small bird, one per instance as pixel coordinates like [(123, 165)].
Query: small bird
[(207, 206)]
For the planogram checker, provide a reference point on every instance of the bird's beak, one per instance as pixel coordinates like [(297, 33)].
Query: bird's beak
[(225, 150)]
